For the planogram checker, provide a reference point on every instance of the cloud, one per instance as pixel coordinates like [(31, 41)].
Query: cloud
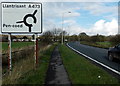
[(100, 27), (105, 28), (63, 0), (52, 15), (98, 8), (54, 11), (57, 9), (69, 22), (72, 14)]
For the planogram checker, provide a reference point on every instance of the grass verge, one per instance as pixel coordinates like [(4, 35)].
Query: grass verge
[(24, 71), (38, 76), (15, 45), (98, 44), (82, 71)]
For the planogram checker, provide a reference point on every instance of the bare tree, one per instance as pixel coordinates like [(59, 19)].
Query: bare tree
[(47, 37)]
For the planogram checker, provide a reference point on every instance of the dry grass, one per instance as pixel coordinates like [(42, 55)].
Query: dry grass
[(0, 75), (19, 68), (22, 54), (22, 67)]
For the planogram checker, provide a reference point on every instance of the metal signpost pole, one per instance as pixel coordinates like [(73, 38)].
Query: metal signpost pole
[(9, 56), (62, 28), (36, 50), (21, 23)]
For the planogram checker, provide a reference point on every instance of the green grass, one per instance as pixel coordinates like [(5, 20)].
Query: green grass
[(105, 44), (16, 45), (38, 76), (98, 44), (82, 71)]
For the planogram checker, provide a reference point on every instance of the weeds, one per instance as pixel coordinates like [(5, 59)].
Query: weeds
[(24, 66)]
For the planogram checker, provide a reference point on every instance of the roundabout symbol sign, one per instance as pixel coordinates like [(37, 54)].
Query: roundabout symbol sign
[(25, 20), (18, 17), (12, 13)]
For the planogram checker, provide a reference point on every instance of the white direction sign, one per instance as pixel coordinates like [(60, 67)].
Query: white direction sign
[(18, 17)]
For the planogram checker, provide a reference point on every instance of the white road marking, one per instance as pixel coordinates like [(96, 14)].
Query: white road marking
[(115, 71)]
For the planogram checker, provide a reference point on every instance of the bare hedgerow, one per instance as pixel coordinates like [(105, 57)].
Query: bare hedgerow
[(115, 39)]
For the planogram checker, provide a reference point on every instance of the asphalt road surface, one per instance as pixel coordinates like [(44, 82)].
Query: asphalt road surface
[(98, 54)]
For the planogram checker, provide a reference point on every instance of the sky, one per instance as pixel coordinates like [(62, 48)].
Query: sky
[(89, 17)]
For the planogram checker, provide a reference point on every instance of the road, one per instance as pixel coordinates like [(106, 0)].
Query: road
[(98, 54)]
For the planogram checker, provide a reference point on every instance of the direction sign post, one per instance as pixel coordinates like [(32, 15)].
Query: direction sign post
[(18, 17), (36, 50), (9, 53), (21, 18)]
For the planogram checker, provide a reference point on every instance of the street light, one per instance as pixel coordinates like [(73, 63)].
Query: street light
[(62, 26)]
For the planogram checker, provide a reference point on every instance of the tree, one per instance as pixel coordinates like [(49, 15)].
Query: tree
[(83, 33), (115, 39), (25, 37), (47, 37), (4, 38), (98, 38), (33, 37), (56, 32), (84, 37), (74, 38), (13, 37)]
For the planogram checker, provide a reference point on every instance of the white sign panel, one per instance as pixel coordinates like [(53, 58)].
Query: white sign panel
[(18, 17)]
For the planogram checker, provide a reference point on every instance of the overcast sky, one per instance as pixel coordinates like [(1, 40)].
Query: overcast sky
[(91, 17)]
